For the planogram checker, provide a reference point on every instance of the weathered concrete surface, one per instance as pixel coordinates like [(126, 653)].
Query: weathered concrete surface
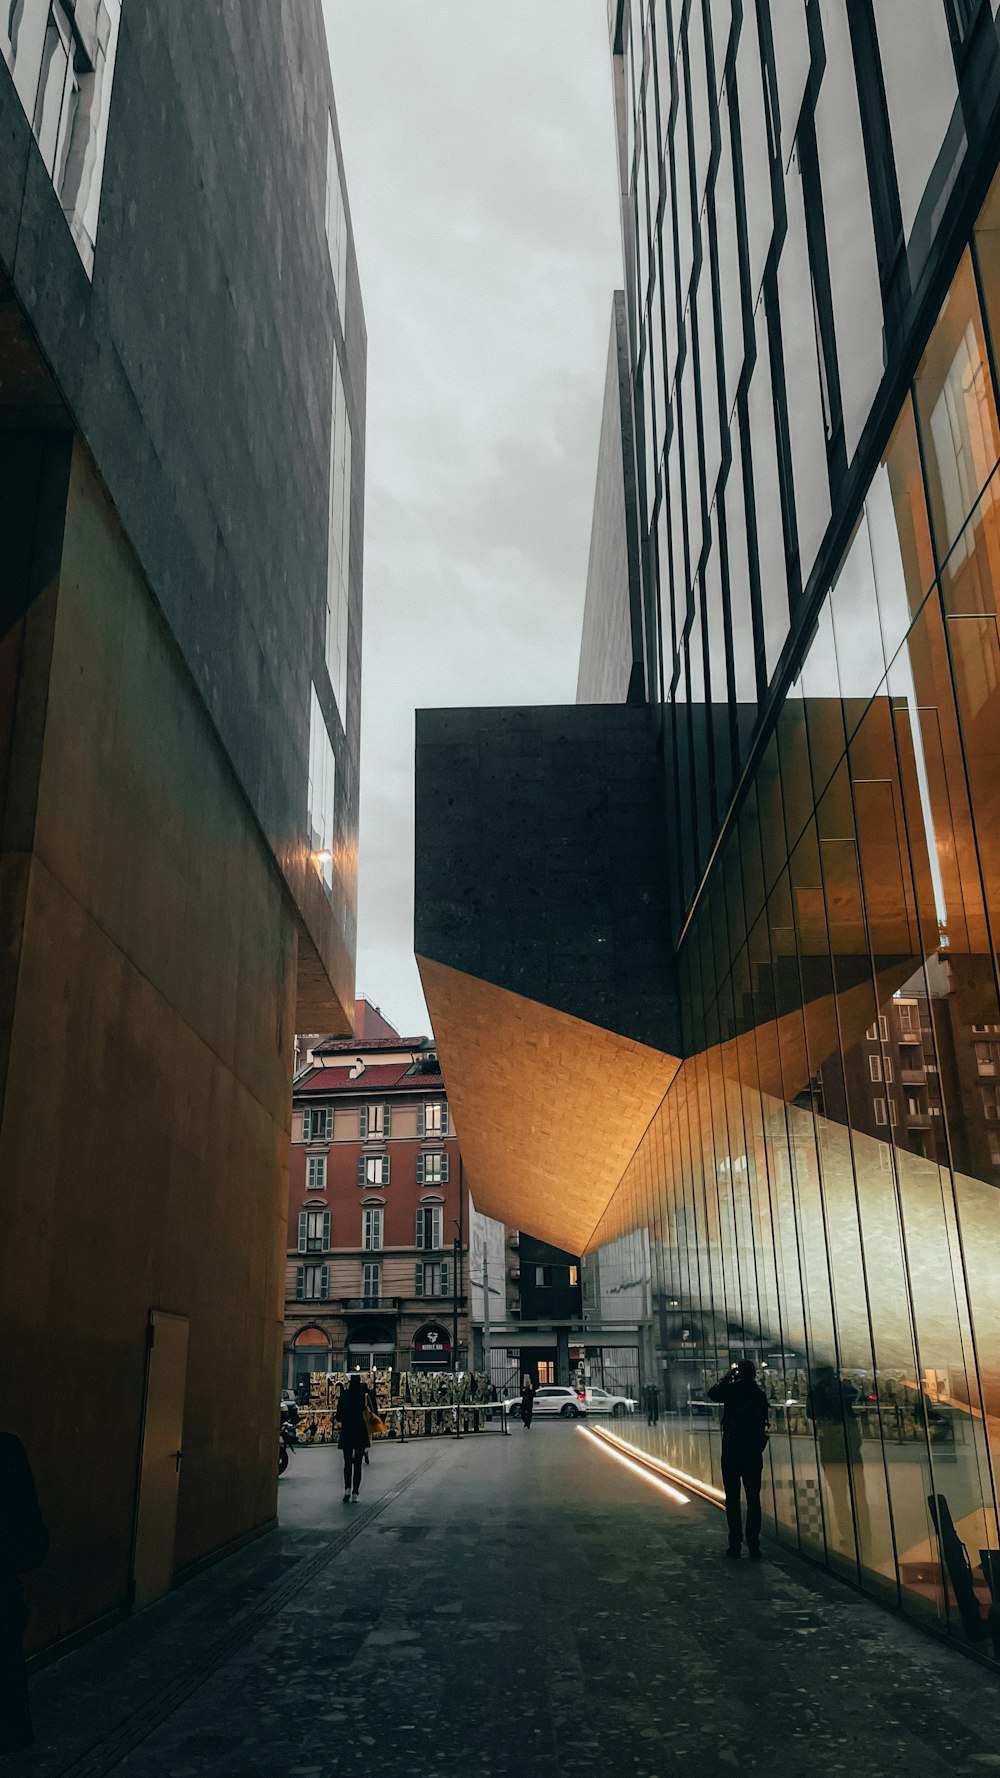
[(521, 1607)]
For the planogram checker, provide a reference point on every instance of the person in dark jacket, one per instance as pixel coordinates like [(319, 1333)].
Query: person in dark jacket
[(527, 1402), (354, 1439), (24, 1543), (744, 1438)]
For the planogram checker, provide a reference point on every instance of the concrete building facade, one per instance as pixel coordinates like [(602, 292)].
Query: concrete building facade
[(810, 209), (182, 400)]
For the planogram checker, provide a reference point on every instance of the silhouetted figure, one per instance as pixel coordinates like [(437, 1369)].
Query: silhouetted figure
[(652, 1404), (744, 1439), (24, 1543), (527, 1402), (354, 1439)]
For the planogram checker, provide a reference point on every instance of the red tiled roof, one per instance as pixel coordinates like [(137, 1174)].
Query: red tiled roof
[(338, 1080), (354, 1045)]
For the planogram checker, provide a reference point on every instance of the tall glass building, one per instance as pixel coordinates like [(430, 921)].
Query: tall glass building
[(810, 212)]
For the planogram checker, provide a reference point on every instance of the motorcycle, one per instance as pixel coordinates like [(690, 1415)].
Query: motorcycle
[(286, 1443)]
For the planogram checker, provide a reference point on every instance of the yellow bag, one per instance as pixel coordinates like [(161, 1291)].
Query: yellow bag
[(375, 1424)]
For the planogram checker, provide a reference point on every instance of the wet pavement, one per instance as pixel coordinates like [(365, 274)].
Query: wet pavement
[(509, 1607)]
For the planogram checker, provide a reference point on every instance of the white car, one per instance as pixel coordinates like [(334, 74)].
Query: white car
[(552, 1398), (603, 1401)]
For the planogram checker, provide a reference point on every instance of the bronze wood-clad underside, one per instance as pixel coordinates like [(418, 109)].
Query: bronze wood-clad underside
[(549, 1109)]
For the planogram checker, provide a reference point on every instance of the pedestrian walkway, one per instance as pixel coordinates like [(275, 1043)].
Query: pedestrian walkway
[(508, 1608)]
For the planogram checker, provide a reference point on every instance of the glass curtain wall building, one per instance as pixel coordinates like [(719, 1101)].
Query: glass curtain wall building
[(812, 297), (814, 311)]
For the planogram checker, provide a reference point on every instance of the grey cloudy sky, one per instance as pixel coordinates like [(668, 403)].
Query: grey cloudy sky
[(479, 154)]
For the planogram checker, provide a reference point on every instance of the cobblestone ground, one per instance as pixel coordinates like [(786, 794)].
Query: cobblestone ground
[(509, 1608)]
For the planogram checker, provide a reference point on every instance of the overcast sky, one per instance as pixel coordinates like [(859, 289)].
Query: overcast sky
[(479, 154)]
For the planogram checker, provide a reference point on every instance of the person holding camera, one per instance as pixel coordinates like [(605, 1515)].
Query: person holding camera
[(744, 1441)]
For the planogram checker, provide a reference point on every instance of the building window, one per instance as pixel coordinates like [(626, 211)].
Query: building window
[(908, 1021), (875, 1067), (317, 1125), (336, 222), (321, 793), (890, 1101), (62, 73), (429, 1220), (986, 1059), (315, 1172), (879, 1104), (311, 1282), (544, 1277), (373, 1169), (371, 1281), (371, 1232), (432, 1169), (375, 1123), (574, 1277), (993, 1138), (433, 1277), (913, 1107), (879, 1030), (314, 1231), (432, 1120), (546, 1372)]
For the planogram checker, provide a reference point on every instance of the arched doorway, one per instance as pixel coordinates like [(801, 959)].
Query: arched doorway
[(371, 1346), (432, 1348), (310, 1352)]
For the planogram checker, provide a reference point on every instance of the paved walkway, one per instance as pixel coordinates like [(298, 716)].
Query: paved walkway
[(509, 1608)]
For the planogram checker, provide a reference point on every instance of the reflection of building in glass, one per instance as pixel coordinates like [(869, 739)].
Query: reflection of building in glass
[(766, 889)]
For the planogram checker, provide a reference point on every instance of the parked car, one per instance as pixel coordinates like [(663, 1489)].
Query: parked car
[(604, 1401), (552, 1398)]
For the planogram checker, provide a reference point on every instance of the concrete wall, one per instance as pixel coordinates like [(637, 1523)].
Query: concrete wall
[(147, 984), (198, 366)]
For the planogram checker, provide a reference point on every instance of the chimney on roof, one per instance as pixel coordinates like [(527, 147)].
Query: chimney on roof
[(357, 1070)]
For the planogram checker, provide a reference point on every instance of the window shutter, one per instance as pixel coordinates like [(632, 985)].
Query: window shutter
[(421, 1120), (445, 1278), (387, 1121), (420, 1228), (329, 1126), (302, 1232), (300, 1282), (444, 1169), (324, 1281), (307, 1126), (444, 1120), (363, 1123), (385, 1169), (419, 1281), (361, 1169), (326, 1231), (437, 1228), (421, 1168)]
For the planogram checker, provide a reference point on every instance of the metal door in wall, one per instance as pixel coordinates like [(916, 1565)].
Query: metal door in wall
[(160, 1460)]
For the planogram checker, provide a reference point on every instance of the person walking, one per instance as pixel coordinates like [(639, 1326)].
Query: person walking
[(527, 1403), (24, 1543), (652, 1404), (744, 1440), (354, 1439)]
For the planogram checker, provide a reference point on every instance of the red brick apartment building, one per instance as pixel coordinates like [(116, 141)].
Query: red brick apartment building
[(377, 1201)]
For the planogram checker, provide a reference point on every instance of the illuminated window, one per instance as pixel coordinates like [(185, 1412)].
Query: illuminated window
[(321, 794), (574, 1276), (546, 1372)]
